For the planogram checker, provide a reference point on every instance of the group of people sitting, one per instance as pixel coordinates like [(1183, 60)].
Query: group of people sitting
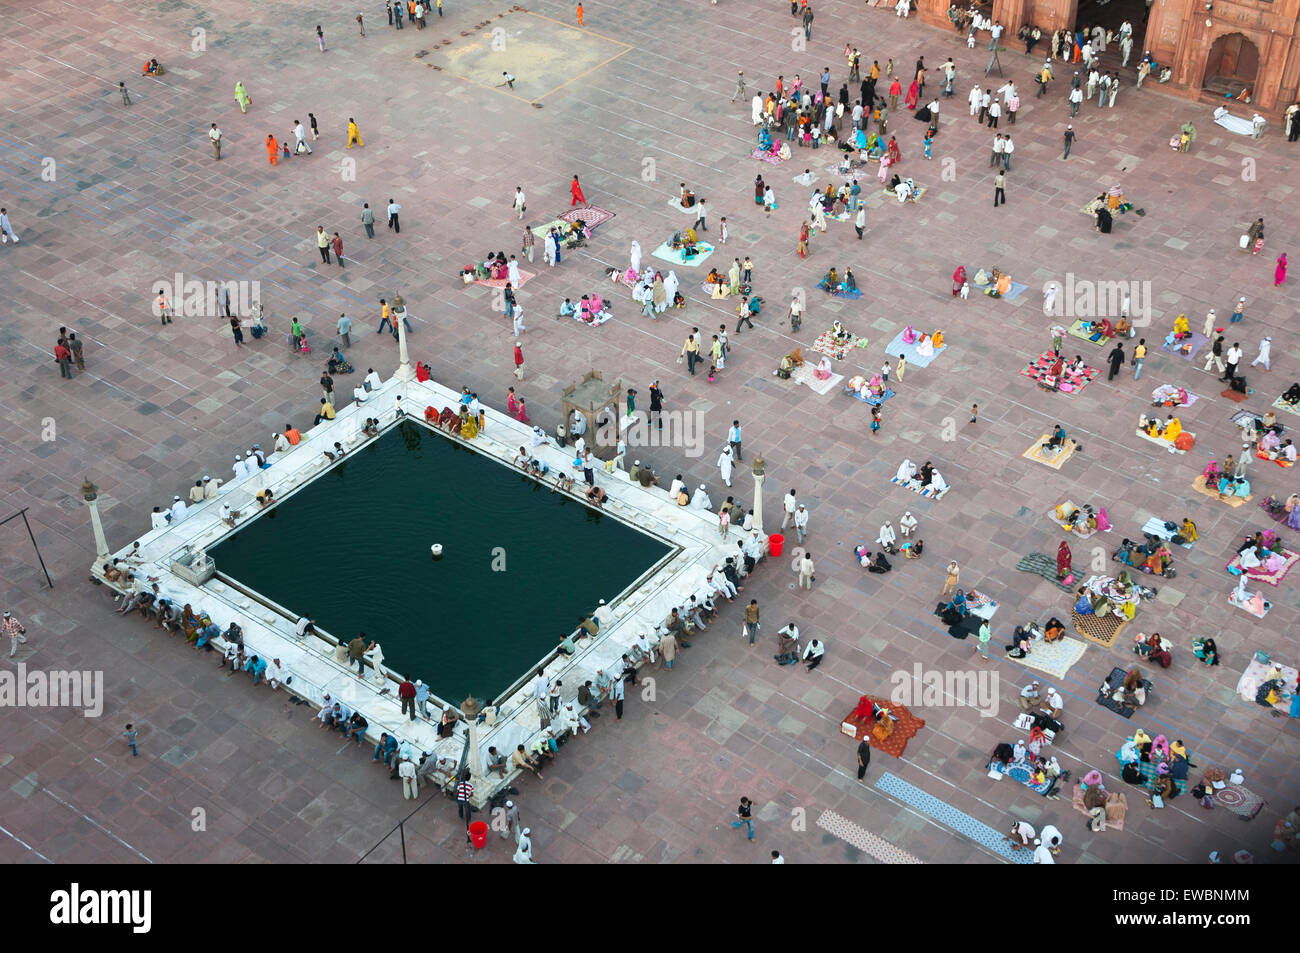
[(1082, 522), (1026, 635), (926, 344), (686, 242), (495, 267), (789, 362), (1292, 395), (1132, 691), (926, 477), (1171, 431), (591, 309), (1261, 552), (872, 562), (1152, 556), (1118, 596), (1230, 481), (152, 68), (866, 388), (1154, 647), (834, 283), (771, 146), (654, 291)]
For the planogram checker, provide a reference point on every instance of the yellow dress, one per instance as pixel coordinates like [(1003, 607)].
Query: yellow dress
[(1172, 430), (469, 428), (937, 340), (1180, 324)]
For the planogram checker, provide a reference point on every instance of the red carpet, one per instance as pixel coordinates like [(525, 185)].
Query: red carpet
[(905, 728)]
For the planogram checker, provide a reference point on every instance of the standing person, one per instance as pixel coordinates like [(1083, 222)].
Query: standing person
[(126, 97), (579, 14), (875, 420), (12, 628), (410, 784), (323, 244), (1139, 357), (439, 2), (519, 362), (789, 504), (214, 134), (1216, 355), (74, 345), (1230, 361), (982, 641), (242, 97), (1265, 346), (1238, 312), (740, 86), (722, 230), (619, 693), (361, 24), (864, 758), (300, 134), (657, 403), (368, 219), (464, 806), (529, 242), (393, 221), (63, 357), (701, 220), (397, 14), (272, 149), (345, 329), (724, 465), (807, 29), (236, 331), (734, 439), (691, 350), (164, 306), (1069, 140), (1076, 97), (1000, 189), (745, 815), (575, 190), (900, 367), (974, 412), (520, 204), (337, 244), (315, 129), (801, 522), (354, 134), (320, 38), (130, 735), (860, 222), (751, 620), (1279, 274), (1116, 359), (1008, 147), (7, 231), (388, 5), (806, 569)]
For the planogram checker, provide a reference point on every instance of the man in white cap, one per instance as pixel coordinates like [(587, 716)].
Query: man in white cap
[(422, 697), (240, 468), (1021, 835), (13, 628), (210, 487), (178, 509), (510, 822), (724, 464), (571, 721), (801, 521), (1029, 697), (887, 537), (1265, 346), (1041, 854), (524, 850), (907, 524), (604, 615), (1051, 837), (701, 499)]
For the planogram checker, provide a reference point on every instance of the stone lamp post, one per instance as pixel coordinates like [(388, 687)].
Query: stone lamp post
[(90, 493), (470, 708), (760, 471), (398, 312)]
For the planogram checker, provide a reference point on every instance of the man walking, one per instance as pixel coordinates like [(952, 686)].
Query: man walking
[(1076, 97), (806, 569), (1069, 140), (745, 813), (1139, 357), (789, 503), (1265, 346), (215, 135), (7, 232), (807, 22), (751, 620), (657, 403), (864, 758), (12, 628), (701, 221), (323, 244), (999, 189), (300, 134), (733, 438), (1116, 360), (126, 97), (520, 203), (393, 222), (740, 86), (691, 350), (1231, 360), (1216, 355), (801, 522), (368, 219)]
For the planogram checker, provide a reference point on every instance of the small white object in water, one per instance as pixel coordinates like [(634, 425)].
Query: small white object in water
[(436, 550)]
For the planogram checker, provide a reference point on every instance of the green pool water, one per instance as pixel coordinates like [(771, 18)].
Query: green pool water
[(520, 563)]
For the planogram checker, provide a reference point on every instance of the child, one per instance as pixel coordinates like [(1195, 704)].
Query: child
[(875, 420), (929, 139), (884, 371), (965, 290), (974, 412), (130, 734)]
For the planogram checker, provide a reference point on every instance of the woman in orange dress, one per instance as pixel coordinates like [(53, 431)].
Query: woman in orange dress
[(272, 149)]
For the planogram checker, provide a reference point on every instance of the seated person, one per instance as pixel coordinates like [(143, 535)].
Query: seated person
[(1053, 630), (830, 280), (1206, 651), (1123, 327), (265, 497), (823, 370), (876, 386), (1292, 394), (910, 336), (1149, 426), (925, 346), (152, 68), (864, 556), (1077, 366), (879, 564), (1181, 330), (1286, 452), (563, 481), (913, 550), (567, 310), (1057, 440), (687, 197), (850, 282), (788, 639), (839, 333), (1172, 428), (421, 374), (596, 495), (785, 368), (764, 141)]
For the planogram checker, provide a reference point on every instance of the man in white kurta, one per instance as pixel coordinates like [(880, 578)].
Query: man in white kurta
[(724, 465)]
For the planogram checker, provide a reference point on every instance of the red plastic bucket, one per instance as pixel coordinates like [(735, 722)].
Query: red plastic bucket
[(775, 543), (478, 832)]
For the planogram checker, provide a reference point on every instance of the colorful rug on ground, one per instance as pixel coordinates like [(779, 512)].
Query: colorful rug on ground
[(1237, 396), (864, 840), (1021, 771), (1280, 404), (827, 343), (1102, 629), (524, 278), (905, 726), (1253, 677), (1116, 807), (1070, 383), (593, 215), (1069, 506), (762, 155), (1051, 458), (1095, 337), (1161, 442), (870, 398), (1187, 347), (1199, 486), (929, 494), (1105, 696), (1041, 564), (1260, 574), (1149, 770), (949, 816), (1240, 800), (703, 251), (1167, 395), (896, 347), (1156, 527), (915, 197), (1015, 291), (1054, 658)]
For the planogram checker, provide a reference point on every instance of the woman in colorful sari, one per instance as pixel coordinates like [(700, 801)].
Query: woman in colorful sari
[(189, 622), (913, 94), (1063, 559), (1181, 330), (764, 139), (936, 340), (958, 279), (883, 174), (895, 154), (760, 187), (909, 336), (1172, 428), (468, 424), (522, 415), (1206, 651), (823, 369)]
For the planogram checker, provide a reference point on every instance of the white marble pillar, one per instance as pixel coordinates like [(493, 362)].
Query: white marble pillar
[(97, 527), (758, 503), (405, 372)]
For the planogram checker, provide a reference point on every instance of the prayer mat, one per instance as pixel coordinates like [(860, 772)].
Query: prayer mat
[(1115, 680), (826, 344), (1192, 345), (1241, 416), (1041, 564), (870, 399), (1149, 770), (703, 251), (1161, 442), (1254, 676), (1237, 396), (929, 494), (1102, 629), (842, 216), (1280, 404), (1248, 607), (1021, 771), (1015, 291), (1070, 383), (708, 290), (1240, 800), (1054, 658), (524, 278), (1096, 337), (809, 182), (1051, 515), (853, 295), (916, 196), (906, 725), (762, 155), (896, 347), (943, 812), (1260, 574), (593, 215), (677, 204), (1199, 486), (864, 840), (804, 375), (1054, 460), (1261, 455), (1156, 527), (1117, 798)]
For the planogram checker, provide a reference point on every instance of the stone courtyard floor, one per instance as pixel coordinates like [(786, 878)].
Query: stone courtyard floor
[(636, 103)]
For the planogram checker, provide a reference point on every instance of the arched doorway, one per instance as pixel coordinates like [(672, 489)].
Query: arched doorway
[(1233, 65)]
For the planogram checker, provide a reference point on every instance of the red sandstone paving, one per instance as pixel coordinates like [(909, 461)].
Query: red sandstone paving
[(137, 198)]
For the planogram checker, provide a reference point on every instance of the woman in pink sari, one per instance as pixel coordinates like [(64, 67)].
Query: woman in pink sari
[(913, 94), (522, 416), (885, 163), (1103, 520), (1279, 275), (909, 336), (958, 279)]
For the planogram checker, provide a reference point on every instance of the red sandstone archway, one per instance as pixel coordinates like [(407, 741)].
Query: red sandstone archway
[(1231, 66)]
